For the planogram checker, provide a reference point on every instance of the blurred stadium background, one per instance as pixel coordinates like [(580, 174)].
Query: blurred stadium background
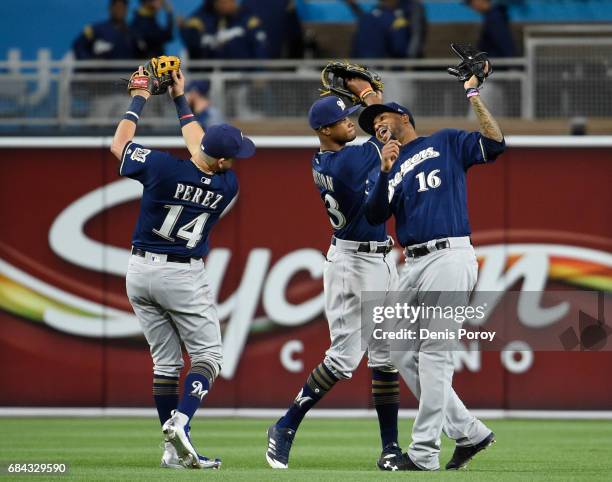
[(559, 80), (541, 215)]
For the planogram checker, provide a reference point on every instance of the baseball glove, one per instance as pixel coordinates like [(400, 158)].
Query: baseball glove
[(472, 62), (156, 76), (334, 75)]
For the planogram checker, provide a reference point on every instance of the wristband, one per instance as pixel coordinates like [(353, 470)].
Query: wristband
[(183, 110), (370, 92), (365, 92), (135, 108), (471, 92)]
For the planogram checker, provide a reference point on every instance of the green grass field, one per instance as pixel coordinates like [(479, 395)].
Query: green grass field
[(334, 449)]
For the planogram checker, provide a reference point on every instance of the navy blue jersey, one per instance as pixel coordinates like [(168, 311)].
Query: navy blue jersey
[(427, 184), (341, 177), (180, 204), (496, 34), (383, 32), (207, 35), (152, 37), (105, 40)]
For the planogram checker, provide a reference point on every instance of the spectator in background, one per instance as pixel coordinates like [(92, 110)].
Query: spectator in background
[(282, 26), (495, 39), (111, 39), (393, 29), (496, 34), (199, 101), (221, 29), (152, 37)]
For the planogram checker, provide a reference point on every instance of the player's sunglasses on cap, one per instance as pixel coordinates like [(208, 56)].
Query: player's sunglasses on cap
[(226, 141), (366, 118), (328, 110)]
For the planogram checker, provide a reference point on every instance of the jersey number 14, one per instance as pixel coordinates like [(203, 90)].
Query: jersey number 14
[(192, 231)]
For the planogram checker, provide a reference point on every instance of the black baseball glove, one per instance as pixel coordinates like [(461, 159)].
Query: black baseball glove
[(334, 75), (472, 62), (156, 76)]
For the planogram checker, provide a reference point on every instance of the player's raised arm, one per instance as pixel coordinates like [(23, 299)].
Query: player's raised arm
[(192, 131), (473, 69), (489, 127), (138, 88)]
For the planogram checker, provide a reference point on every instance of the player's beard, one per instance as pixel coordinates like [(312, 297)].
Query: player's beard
[(351, 137), (344, 139)]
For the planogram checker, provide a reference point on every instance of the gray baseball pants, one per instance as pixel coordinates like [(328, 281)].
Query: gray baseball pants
[(174, 303), (428, 371), (346, 274)]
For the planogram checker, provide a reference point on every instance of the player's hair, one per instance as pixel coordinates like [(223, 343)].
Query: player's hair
[(209, 160)]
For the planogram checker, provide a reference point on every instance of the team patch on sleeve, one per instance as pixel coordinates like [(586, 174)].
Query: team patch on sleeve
[(133, 160), (139, 154)]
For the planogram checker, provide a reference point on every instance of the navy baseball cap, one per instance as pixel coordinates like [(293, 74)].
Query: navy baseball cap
[(328, 110), (366, 118), (226, 141)]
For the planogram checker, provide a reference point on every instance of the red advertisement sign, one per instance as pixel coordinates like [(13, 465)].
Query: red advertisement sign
[(540, 219)]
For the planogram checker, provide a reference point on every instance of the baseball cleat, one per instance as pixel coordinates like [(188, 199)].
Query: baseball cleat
[(462, 455), (174, 432), (170, 459), (279, 446), (202, 463), (392, 459)]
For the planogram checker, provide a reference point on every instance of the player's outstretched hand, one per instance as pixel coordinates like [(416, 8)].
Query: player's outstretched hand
[(178, 84), (139, 84), (390, 153), (357, 86), (473, 82)]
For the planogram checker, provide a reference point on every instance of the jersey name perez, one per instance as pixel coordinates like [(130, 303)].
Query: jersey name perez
[(197, 195)]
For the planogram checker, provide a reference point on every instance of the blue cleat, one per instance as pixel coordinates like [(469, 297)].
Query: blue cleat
[(279, 446)]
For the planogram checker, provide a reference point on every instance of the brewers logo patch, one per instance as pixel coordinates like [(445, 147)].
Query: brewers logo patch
[(140, 154)]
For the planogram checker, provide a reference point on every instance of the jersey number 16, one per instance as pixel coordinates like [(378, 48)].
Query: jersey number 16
[(432, 180)]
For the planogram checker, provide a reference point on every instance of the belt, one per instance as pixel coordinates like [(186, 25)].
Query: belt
[(366, 248), (426, 249), (170, 258)]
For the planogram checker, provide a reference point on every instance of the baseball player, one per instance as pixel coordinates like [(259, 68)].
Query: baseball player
[(167, 283), (422, 182), (356, 261)]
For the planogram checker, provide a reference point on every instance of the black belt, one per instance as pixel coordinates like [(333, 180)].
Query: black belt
[(423, 250), (365, 247), (171, 258)]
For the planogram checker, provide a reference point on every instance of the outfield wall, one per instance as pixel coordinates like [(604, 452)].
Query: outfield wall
[(69, 338)]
